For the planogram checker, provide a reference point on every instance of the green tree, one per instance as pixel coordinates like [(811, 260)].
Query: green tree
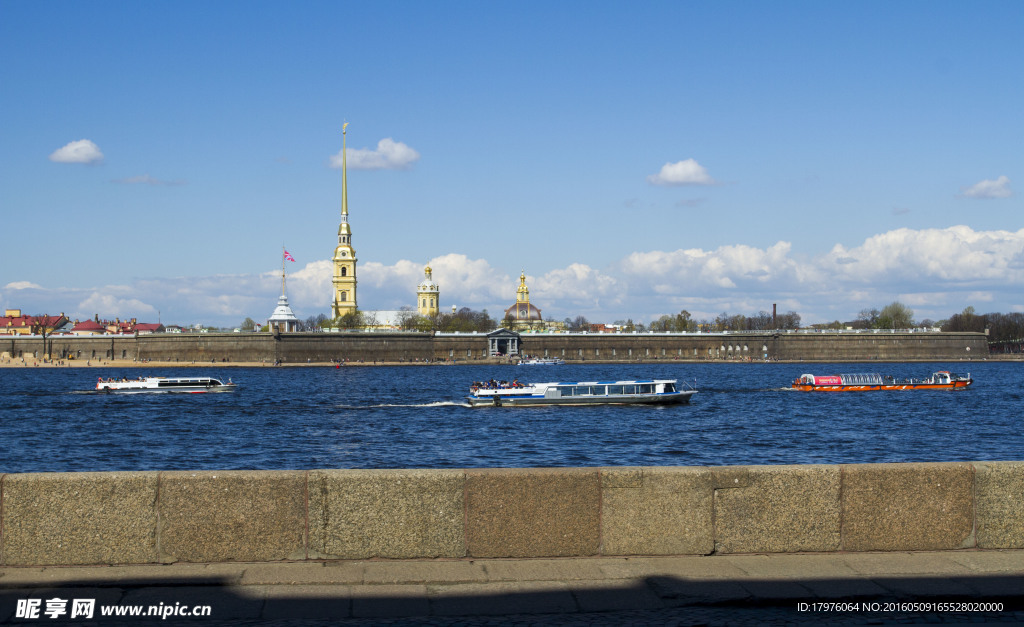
[(350, 320), (248, 324), (895, 315)]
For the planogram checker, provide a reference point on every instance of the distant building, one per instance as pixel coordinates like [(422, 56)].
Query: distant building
[(89, 327), (428, 305), (428, 296), (113, 327), (522, 315), (14, 323), (385, 319)]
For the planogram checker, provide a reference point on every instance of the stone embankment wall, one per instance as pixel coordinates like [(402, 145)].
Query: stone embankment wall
[(295, 348), (257, 516)]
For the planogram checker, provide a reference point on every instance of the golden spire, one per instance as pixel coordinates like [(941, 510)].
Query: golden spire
[(343, 228), (523, 293)]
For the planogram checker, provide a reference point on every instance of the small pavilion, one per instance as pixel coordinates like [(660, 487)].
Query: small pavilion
[(283, 319), (503, 343)]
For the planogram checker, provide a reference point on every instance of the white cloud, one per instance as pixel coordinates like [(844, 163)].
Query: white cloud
[(725, 267), (22, 285), (81, 151), (686, 172), (464, 282), (954, 254), (389, 155), (110, 305), (999, 188)]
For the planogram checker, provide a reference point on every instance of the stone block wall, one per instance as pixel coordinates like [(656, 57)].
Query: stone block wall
[(258, 516), (294, 348)]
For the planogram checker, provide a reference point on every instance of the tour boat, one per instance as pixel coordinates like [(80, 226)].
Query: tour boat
[(541, 361), (515, 394), (941, 380), (192, 385)]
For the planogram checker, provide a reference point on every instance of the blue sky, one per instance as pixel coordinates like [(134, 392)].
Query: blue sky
[(635, 159)]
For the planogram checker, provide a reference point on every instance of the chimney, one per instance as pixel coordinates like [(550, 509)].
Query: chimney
[(775, 325)]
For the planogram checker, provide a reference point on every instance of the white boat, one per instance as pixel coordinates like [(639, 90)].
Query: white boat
[(515, 394), (541, 361), (191, 385)]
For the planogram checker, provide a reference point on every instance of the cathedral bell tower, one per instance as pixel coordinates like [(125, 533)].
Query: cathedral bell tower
[(344, 279)]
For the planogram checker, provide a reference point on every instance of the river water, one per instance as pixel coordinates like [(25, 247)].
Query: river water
[(415, 417)]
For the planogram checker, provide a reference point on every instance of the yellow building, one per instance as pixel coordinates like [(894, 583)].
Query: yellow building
[(428, 296), (344, 279)]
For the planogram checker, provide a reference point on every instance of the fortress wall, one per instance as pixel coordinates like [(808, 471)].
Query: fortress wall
[(885, 346), (292, 348), (258, 516)]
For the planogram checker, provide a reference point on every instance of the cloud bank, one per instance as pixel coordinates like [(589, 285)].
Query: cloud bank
[(935, 271), (81, 151)]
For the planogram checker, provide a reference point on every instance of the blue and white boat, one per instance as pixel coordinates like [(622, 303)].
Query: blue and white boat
[(542, 361), (641, 392)]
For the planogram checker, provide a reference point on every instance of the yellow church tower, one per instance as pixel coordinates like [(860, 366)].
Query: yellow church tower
[(344, 279), (428, 296)]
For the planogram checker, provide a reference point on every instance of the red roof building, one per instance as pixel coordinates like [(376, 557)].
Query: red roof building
[(13, 323)]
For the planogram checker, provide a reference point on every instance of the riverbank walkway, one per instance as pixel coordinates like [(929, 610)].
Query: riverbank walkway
[(948, 587)]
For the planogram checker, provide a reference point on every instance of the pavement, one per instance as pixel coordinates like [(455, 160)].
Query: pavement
[(947, 587)]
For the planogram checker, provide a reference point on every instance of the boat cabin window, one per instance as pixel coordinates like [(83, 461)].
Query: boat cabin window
[(861, 379), (670, 387), (646, 388)]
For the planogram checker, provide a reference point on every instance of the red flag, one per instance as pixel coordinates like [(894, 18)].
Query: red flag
[(288, 257)]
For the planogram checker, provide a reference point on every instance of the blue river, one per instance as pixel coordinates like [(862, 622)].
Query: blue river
[(416, 417)]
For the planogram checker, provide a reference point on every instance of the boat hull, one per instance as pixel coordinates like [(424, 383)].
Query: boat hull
[(210, 390), (512, 400)]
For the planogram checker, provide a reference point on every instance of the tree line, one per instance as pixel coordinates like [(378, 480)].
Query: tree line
[(683, 322), (1001, 327)]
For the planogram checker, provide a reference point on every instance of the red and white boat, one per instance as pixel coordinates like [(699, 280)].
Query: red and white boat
[(190, 385), (941, 380)]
